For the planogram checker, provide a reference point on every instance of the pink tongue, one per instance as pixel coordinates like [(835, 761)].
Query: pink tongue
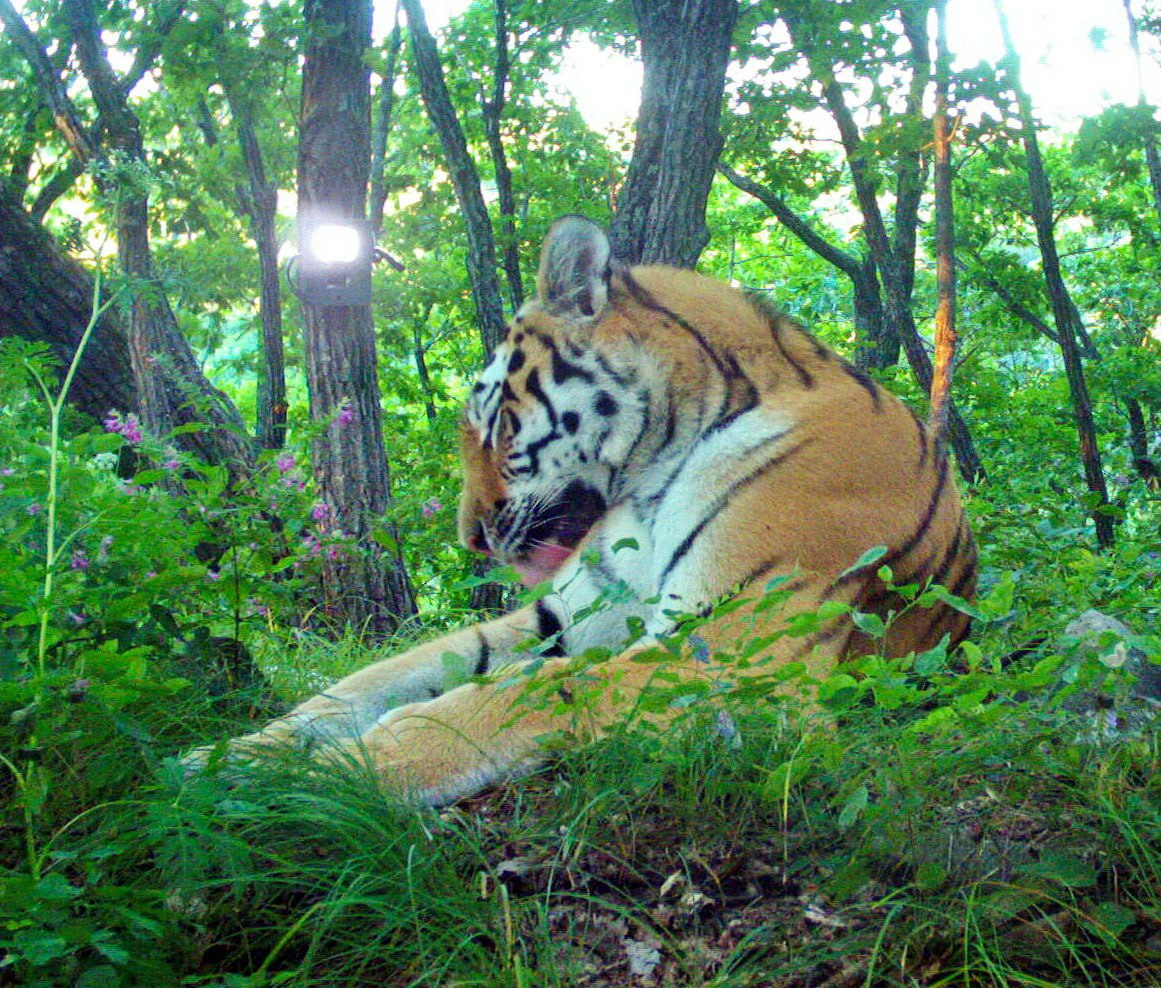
[(541, 564)]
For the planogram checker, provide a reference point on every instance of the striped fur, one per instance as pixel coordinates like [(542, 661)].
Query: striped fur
[(661, 440)]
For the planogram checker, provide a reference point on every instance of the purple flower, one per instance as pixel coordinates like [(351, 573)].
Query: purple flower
[(76, 618), (7, 471), (285, 463), (346, 415), (431, 506), (258, 607), (213, 575), (172, 464), (80, 560), (128, 427), (321, 511), (33, 509)]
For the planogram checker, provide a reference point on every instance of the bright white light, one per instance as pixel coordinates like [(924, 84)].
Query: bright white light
[(333, 243)]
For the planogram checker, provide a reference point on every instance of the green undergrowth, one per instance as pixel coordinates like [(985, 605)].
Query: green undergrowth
[(986, 817), (1006, 842)]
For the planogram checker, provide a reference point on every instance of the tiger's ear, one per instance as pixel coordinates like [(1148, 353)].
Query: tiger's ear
[(575, 267)]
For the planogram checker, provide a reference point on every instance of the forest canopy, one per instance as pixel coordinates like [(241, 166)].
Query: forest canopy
[(218, 493)]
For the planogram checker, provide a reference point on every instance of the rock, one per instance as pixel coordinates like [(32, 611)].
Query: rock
[(1113, 713), (1109, 639)]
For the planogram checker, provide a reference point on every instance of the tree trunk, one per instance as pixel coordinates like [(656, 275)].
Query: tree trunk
[(365, 587), (261, 205), (945, 334), (384, 110), (685, 50), (875, 347), (1062, 308), (493, 112), (1152, 156), (896, 284), (465, 178), (878, 342), (47, 296), (171, 389)]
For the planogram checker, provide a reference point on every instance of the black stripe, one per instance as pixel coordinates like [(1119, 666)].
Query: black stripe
[(866, 383), (643, 298), (895, 555), (805, 378), (646, 422), (547, 625), (485, 654), (741, 396), (563, 370), (722, 500)]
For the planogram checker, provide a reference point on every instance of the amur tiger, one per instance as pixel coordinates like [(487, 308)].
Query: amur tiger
[(654, 431)]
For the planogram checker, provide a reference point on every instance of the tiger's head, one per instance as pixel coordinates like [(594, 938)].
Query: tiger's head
[(552, 419)]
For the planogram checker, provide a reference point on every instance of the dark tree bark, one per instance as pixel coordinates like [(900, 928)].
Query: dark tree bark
[(171, 389), (493, 113), (47, 296), (465, 178), (685, 50), (896, 283), (945, 332), (259, 202), (381, 127), (481, 259), (1062, 309), (866, 293), (1152, 155), (365, 588)]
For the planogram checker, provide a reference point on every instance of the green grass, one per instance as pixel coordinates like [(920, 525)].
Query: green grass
[(734, 870), (947, 826)]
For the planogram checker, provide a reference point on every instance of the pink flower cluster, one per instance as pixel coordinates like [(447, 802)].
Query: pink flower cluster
[(127, 426)]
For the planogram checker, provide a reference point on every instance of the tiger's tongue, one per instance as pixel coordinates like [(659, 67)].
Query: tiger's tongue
[(540, 564)]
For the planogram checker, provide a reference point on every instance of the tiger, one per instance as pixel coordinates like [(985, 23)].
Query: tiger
[(645, 443)]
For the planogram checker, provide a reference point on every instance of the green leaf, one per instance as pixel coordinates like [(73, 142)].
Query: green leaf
[(869, 624), (930, 876), (868, 558), (853, 808), (625, 544), (838, 690), (1113, 918), (1069, 870)]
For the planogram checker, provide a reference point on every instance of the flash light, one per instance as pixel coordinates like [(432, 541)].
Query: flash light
[(334, 263)]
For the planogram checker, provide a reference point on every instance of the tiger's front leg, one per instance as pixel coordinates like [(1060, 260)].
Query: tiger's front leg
[(354, 705), (438, 751)]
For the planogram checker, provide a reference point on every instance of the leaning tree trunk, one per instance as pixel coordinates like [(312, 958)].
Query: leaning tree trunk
[(875, 347), (896, 281), (465, 178), (1062, 308), (171, 389), (685, 50), (261, 204), (466, 182), (365, 587), (47, 296)]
